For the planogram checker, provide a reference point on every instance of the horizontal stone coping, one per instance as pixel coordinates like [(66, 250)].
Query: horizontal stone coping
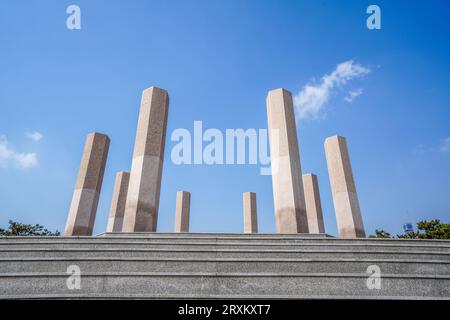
[(246, 237), (215, 243), (225, 260), (213, 250), (188, 236), (134, 296), (223, 275), (240, 234), (322, 236)]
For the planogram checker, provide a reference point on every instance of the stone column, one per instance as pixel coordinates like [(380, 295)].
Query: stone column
[(141, 208), (250, 212), (115, 219), (313, 205), (345, 198), (83, 208), (287, 184), (182, 211)]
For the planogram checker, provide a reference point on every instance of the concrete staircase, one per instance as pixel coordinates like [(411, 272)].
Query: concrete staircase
[(206, 265)]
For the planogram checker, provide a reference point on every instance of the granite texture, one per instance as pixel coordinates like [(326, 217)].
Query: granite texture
[(182, 210), (141, 208), (313, 204), (250, 212), (83, 208), (186, 265), (287, 184), (115, 219)]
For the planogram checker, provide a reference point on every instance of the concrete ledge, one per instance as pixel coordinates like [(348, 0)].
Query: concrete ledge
[(232, 284), (223, 275), (263, 266), (183, 242), (209, 266), (210, 297)]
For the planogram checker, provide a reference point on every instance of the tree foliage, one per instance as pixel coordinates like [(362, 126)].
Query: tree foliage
[(381, 234), (20, 229), (433, 229)]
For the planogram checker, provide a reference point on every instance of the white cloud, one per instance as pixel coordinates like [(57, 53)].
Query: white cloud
[(445, 146), (35, 136), (9, 156), (26, 160), (353, 94), (312, 98)]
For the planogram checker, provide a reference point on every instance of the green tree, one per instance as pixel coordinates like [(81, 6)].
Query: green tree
[(20, 229), (381, 234), (433, 229)]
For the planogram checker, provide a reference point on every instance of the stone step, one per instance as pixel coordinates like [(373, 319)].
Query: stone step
[(259, 245), (132, 265), (278, 253), (234, 285), (180, 235), (222, 238), (211, 235), (149, 296), (222, 265)]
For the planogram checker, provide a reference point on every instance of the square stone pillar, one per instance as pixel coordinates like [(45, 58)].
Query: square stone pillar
[(141, 208), (287, 184), (83, 208), (250, 212), (313, 205), (115, 219), (182, 211), (345, 198)]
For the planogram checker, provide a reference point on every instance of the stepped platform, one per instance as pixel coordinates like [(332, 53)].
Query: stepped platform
[(222, 266)]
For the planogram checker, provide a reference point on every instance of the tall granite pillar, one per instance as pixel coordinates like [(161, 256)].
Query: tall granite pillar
[(115, 219), (287, 184), (141, 208), (313, 205), (83, 208), (182, 211), (250, 212), (345, 198)]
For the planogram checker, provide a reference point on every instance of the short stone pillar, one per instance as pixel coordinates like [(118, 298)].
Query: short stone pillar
[(182, 211), (83, 208), (287, 184), (313, 205), (345, 198), (250, 212), (141, 208), (115, 219)]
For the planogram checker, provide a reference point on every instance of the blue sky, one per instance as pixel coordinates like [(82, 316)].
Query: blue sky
[(218, 59)]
